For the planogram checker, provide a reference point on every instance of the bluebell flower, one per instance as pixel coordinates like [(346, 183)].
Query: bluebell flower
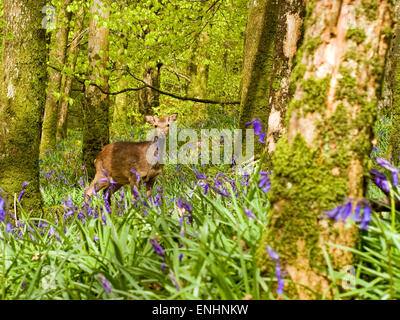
[(105, 283), (380, 180), (157, 248), (345, 211), (2, 210), (173, 280), (182, 204), (387, 165), (249, 213), (265, 181), (9, 227), (278, 273)]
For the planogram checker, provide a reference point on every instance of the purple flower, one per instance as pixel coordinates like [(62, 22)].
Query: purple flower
[(380, 180), (387, 165), (199, 175), (157, 248), (9, 227), (180, 257), (23, 191), (345, 211), (275, 257), (366, 218), (182, 204), (95, 238), (173, 279), (265, 181), (222, 192), (249, 213), (2, 210), (258, 127), (163, 266), (105, 283), (272, 254)]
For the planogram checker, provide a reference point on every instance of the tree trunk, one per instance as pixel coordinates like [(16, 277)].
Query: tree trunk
[(22, 97), (288, 39), (59, 40), (322, 157), (148, 98), (66, 82), (199, 69), (394, 90), (96, 105), (258, 60), (121, 118)]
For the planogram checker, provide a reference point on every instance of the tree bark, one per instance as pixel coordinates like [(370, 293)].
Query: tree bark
[(320, 161), (258, 60), (58, 50), (149, 98), (199, 69), (66, 82), (393, 96), (22, 95), (288, 39), (96, 105), (121, 116)]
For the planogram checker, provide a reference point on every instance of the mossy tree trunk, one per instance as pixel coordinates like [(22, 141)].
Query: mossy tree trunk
[(289, 35), (149, 98), (58, 50), (96, 104), (66, 82), (198, 69), (322, 157), (393, 97), (121, 114), (258, 60), (22, 95)]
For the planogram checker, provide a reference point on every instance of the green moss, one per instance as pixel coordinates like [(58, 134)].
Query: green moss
[(302, 187), (395, 132), (312, 44), (356, 34), (314, 98), (370, 9)]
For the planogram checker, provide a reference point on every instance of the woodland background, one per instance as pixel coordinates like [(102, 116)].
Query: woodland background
[(313, 216)]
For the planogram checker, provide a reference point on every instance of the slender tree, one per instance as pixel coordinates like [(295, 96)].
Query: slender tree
[(149, 98), (66, 82), (22, 94), (57, 58), (321, 159), (96, 105), (121, 118)]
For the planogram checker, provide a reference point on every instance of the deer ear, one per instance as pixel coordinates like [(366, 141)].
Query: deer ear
[(172, 117), (150, 119)]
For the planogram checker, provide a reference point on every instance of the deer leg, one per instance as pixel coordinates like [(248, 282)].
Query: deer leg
[(111, 189), (99, 182), (149, 186)]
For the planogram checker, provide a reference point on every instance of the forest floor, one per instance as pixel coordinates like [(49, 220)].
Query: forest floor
[(193, 238)]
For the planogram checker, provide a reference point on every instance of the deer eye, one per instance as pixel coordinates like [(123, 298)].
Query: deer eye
[(155, 126)]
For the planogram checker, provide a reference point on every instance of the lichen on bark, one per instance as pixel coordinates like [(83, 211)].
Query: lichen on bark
[(23, 77)]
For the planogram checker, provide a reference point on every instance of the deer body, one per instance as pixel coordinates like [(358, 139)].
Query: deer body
[(120, 163)]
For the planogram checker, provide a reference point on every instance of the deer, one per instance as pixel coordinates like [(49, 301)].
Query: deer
[(122, 163)]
